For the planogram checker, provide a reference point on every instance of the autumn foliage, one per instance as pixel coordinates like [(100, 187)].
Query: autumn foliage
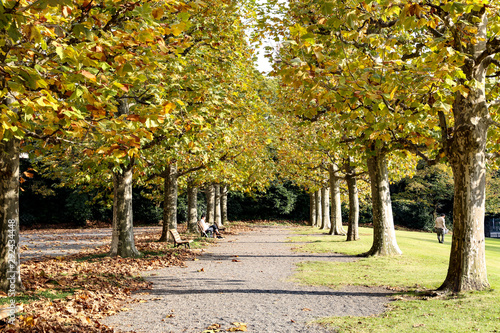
[(70, 294)]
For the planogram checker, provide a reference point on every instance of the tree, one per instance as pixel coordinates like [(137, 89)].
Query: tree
[(350, 176), (448, 54), (10, 278), (336, 204), (28, 108)]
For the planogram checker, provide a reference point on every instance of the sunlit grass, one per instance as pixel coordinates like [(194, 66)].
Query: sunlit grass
[(422, 266)]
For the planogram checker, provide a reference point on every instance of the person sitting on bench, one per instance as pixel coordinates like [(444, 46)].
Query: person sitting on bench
[(213, 228)]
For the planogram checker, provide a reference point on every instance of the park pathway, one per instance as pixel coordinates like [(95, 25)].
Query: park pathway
[(244, 279)]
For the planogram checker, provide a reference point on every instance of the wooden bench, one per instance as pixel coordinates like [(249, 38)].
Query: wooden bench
[(202, 232), (177, 239), (209, 234)]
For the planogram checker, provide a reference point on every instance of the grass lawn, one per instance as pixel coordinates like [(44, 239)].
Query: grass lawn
[(423, 266)]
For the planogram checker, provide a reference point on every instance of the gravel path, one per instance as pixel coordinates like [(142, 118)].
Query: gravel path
[(245, 279)]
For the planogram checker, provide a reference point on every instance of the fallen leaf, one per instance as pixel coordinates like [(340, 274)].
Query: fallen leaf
[(239, 327), (236, 260), (99, 285), (213, 327)]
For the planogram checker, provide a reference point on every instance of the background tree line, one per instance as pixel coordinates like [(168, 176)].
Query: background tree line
[(416, 200)]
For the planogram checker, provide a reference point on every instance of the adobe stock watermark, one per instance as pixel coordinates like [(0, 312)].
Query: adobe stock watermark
[(12, 270)]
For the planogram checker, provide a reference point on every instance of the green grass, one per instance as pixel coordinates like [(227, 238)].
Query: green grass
[(422, 266), (50, 294)]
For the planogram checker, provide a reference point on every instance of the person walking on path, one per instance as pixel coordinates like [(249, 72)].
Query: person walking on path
[(440, 227)]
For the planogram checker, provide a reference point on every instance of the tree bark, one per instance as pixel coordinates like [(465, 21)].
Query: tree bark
[(336, 203), (122, 240), (217, 204), (384, 235), (210, 198), (312, 209), (352, 187), (224, 191), (169, 202), (10, 277), (325, 209), (319, 213), (466, 153), (192, 193)]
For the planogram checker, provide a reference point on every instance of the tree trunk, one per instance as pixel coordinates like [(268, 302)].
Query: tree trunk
[(210, 197), (352, 187), (312, 209), (319, 213), (192, 193), (325, 209), (10, 277), (217, 203), (467, 265), (336, 204), (384, 235), (224, 204), (169, 202), (122, 240)]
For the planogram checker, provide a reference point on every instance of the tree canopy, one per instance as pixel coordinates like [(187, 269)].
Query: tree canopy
[(122, 92)]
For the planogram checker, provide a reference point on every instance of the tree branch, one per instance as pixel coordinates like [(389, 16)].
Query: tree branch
[(416, 54), (493, 156), (313, 118), (492, 47), (180, 174), (48, 138)]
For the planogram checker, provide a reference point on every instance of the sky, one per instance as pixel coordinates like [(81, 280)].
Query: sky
[(263, 64)]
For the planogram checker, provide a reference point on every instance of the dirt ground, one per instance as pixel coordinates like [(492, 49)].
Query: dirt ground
[(61, 242)]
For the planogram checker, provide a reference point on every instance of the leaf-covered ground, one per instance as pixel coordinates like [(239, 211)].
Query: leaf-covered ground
[(70, 294)]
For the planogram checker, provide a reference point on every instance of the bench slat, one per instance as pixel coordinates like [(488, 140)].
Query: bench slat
[(177, 239)]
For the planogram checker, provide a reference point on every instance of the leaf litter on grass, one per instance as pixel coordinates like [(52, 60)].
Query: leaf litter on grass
[(70, 294)]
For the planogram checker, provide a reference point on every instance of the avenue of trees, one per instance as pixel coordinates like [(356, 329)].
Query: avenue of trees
[(164, 96), (393, 78)]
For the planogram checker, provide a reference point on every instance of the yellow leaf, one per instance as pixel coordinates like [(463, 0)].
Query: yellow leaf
[(88, 75), (29, 321), (213, 327), (239, 327), (392, 92), (66, 11), (158, 13), (177, 29), (168, 107)]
